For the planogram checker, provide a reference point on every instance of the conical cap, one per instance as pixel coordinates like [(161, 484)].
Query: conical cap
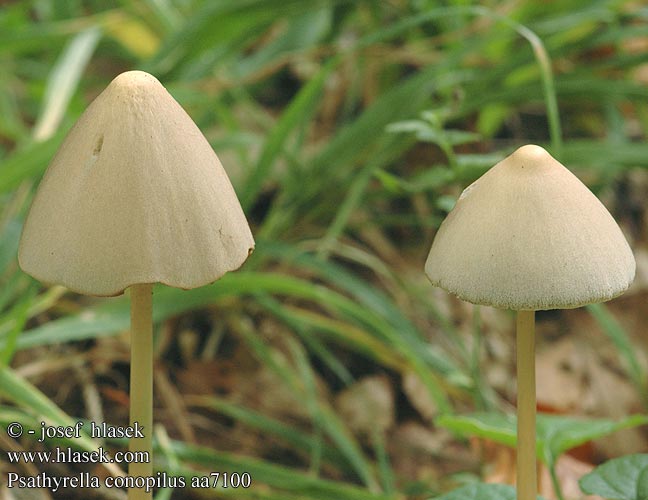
[(135, 194), (528, 235)]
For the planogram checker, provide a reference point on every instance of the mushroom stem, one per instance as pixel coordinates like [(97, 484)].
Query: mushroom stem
[(141, 383), (526, 407)]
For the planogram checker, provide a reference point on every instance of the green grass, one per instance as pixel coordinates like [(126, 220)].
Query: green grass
[(348, 129)]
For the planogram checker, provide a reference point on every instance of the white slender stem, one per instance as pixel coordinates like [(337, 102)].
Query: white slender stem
[(141, 383), (526, 407)]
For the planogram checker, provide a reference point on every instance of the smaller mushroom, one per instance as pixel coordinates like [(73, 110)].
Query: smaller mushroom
[(134, 196), (527, 236)]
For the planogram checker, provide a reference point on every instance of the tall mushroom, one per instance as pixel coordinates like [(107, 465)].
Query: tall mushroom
[(528, 236), (134, 196)]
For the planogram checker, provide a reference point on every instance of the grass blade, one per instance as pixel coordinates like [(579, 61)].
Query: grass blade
[(624, 346), (64, 80)]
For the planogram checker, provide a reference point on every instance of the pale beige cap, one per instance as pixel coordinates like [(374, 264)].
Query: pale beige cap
[(528, 235), (135, 194)]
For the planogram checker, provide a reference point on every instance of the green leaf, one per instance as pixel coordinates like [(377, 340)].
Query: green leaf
[(301, 107), (27, 161), (496, 426), (481, 491), (269, 426), (491, 118), (9, 237), (20, 392), (273, 475), (561, 434), (323, 416), (387, 322), (435, 134), (621, 340), (642, 484), (624, 478), (19, 314), (64, 80), (303, 31), (555, 434)]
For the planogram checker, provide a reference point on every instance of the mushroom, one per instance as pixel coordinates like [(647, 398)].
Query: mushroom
[(134, 196), (528, 236)]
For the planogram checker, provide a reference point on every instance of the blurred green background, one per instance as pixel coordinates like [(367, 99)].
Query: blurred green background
[(328, 367)]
